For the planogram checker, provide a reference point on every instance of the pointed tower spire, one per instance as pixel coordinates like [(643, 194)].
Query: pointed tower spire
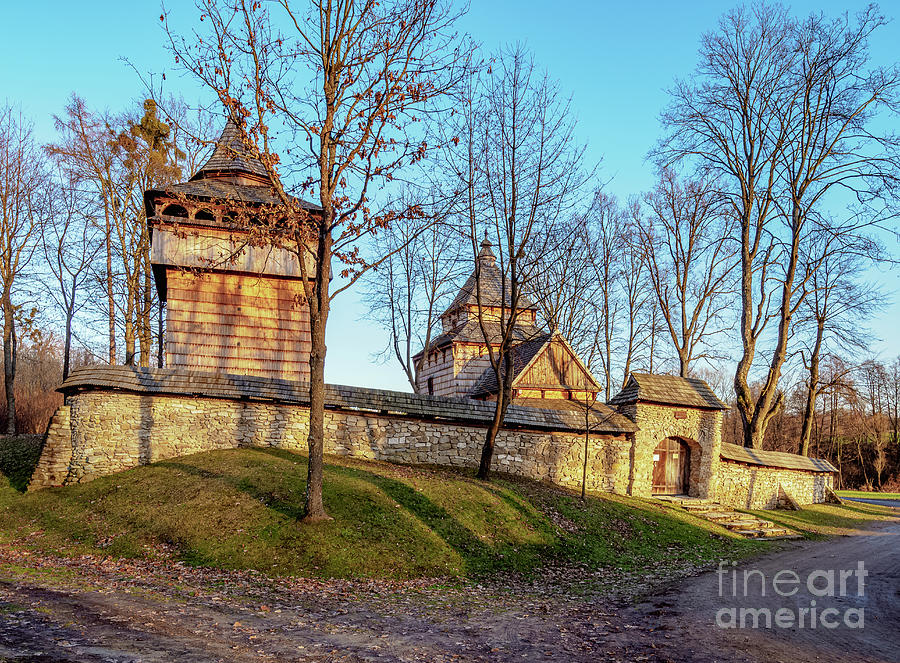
[(230, 159), (486, 256)]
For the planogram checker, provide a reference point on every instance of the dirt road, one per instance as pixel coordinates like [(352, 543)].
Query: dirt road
[(92, 610), (862, 623)]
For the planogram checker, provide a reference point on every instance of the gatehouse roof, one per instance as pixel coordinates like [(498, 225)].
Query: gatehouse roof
[(668, 390)]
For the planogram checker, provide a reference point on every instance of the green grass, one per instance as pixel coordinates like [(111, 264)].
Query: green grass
[(870, 494), (817, 521), (240, 509), (18, 456)]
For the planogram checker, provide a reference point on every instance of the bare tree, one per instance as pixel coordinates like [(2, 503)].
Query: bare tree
[(71, 242), (689, 261), (346, 81), (833, 315), (605, 220), (780, 112), (408, 290), (521, 172), (85, 146), (22, 185)]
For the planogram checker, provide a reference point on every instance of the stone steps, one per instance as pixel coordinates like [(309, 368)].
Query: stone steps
[(744, 524)]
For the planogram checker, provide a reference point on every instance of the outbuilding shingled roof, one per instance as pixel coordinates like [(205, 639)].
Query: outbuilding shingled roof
[(668, 390), (788, 461), (176, 381)]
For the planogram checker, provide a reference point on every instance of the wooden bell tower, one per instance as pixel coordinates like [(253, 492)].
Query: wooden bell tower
[(232, 306)]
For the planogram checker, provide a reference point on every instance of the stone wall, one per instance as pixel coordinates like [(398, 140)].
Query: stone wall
[(755, 487), (109, 431), (56, 455), (700, 428)]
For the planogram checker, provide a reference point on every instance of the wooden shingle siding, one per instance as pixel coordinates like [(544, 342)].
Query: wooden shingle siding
[(237, 324), (205, 248), (555, 367)]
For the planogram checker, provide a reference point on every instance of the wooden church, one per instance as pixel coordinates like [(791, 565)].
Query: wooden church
[(232, 306), (547, 371)]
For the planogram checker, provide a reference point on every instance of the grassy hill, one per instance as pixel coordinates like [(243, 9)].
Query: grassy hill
[(240, 509)]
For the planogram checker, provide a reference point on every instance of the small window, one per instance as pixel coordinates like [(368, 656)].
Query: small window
[(204, 215), (175, 210), (430, 386)]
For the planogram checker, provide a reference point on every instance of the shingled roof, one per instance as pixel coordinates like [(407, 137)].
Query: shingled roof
[(177, 381), (788, 461), (212, 189), (522, 354), (491, 281), (231, 156), (668, 390), (470, 332), (211, 181)]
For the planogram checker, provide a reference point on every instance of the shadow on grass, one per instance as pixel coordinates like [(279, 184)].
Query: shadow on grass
[(19, 456), (476, 555)]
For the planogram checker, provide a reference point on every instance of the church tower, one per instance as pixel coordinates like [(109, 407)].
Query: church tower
[(458, 365), (232, 306)]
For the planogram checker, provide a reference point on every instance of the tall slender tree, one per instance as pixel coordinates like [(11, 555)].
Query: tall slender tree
[(347, 82), (689, 259), (23, 178)]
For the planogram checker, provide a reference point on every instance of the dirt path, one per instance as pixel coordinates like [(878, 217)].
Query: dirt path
[(692, 607), (101, 610)]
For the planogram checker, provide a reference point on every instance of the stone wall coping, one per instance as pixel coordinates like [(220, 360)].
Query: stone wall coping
[(780, 459), (178, 381)]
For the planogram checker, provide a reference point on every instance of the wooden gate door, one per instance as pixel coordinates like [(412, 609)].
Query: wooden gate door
[(670, 467)]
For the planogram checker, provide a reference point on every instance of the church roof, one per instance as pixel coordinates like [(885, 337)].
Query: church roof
[(470, 332), (522, 355), (491, 281), (668, 390), (231, 156)]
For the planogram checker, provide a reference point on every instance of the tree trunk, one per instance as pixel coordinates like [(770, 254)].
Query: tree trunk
[(9, 363), (129, 327), (487, 450), (757, 413), (110, 295), (318, 317), (490, 438), (67, 348), (812, 390)]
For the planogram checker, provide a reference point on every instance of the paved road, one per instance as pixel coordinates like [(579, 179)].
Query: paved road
[(870, 500)]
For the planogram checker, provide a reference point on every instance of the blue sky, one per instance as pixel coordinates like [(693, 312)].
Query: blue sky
[(616, 59)]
